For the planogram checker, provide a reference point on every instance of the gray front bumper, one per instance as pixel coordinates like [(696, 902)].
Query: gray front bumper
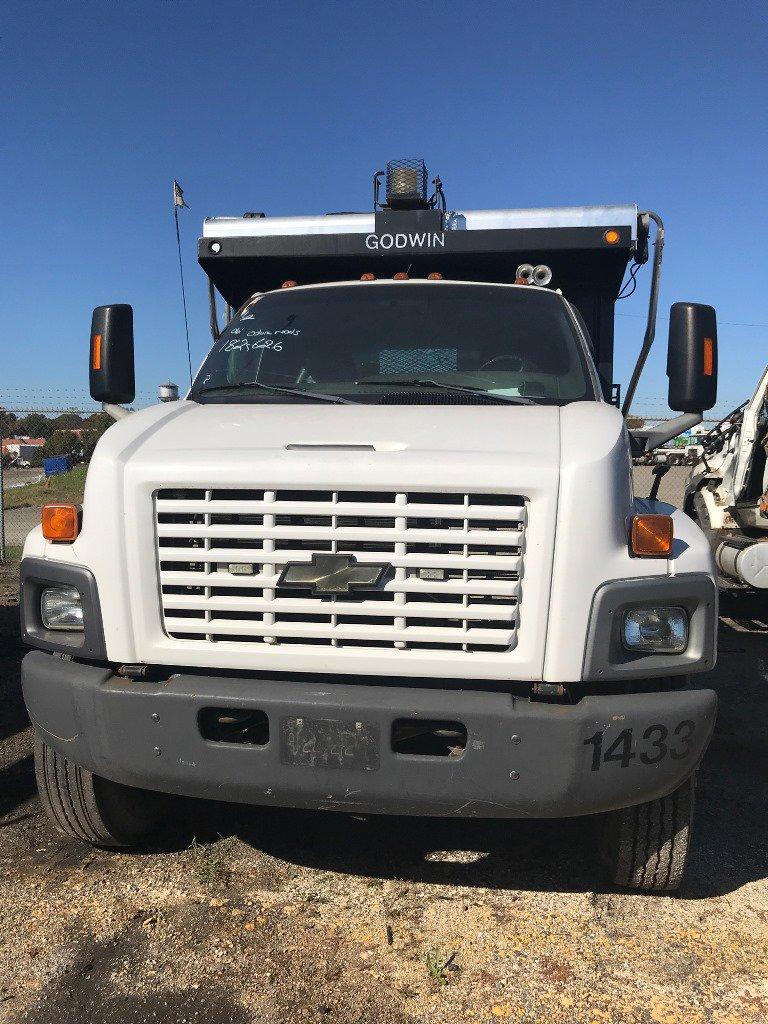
[(522, 759)]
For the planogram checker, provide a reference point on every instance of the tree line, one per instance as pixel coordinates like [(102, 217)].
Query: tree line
[(58, 433)]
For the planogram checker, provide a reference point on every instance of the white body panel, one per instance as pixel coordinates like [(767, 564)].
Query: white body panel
[(729, 469), (571, 464), (745, 443)]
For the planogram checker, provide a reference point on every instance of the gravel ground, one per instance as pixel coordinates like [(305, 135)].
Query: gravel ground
[(239, 915)]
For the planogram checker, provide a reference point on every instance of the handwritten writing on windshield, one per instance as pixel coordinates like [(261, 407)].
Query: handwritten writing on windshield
[(241, 340)]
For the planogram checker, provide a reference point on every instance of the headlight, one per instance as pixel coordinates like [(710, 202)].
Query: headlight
[(656, 630), (61, 608)]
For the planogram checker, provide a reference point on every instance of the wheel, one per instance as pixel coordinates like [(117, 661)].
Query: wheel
[(85, 806), (646, 846)]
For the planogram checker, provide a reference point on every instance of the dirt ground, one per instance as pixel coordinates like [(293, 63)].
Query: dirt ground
[(240, 915)]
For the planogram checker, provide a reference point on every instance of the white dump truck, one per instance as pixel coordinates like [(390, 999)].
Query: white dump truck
[(385, 557), (728, 492)]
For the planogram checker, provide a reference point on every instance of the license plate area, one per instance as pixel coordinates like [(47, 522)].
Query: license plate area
[(329, 743)]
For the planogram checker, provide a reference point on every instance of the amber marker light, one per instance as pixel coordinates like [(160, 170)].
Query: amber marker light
[(435, 276), (652, 536), (288, 284), (400, 276), (367, 277), (96, 352), (611, 236), (61, 523), (709, 357)]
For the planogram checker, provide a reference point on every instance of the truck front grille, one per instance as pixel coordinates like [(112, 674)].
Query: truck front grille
[(451, 579)]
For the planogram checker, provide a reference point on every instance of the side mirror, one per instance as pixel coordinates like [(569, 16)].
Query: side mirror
[(692, 357), (110, 366)]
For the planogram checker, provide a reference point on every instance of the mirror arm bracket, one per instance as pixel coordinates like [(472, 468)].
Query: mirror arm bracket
[(653, 305), (645, 439), (117, 412)]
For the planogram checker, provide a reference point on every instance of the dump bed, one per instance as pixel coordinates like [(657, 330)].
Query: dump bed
[(588, 249)]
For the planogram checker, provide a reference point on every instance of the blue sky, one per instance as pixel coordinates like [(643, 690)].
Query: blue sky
[(289, 107)]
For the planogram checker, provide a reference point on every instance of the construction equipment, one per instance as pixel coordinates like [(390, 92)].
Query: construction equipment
[(728, 492)]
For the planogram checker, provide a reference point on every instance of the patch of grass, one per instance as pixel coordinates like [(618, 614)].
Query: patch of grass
[(436, 965), (210, 866), (65, 487)]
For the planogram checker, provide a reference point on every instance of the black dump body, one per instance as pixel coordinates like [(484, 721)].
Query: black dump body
[(587, 269)]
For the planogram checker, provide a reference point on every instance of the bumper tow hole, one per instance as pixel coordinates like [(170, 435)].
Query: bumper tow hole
[(428, 737), (234, 725)]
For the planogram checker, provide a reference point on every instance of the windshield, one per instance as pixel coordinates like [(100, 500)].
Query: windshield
[(385, 342)]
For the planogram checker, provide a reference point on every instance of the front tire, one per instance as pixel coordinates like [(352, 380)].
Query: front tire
[(84, 806), (646, 846)]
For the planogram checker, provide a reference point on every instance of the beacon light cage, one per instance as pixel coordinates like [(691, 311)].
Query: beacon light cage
[(406, 184)]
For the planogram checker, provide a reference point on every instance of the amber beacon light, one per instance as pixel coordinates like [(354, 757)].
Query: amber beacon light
[(651, 536), (61, 523)]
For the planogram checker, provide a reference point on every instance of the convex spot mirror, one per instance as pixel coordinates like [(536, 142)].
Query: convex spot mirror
[(692, 357), (110, 357)]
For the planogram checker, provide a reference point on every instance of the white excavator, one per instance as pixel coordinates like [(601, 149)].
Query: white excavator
[(728, 492)]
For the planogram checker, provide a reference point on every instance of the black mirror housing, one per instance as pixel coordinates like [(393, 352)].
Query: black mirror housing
[(110, 365), (692, 357)]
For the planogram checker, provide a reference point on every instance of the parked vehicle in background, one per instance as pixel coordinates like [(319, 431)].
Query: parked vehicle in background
[(21, 451), (728, 492), (669, 455), (687, 455), (385, 556)]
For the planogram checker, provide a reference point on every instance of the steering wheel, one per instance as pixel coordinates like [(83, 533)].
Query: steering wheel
[(500, 360)]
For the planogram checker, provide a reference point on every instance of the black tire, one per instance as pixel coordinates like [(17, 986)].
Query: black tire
[(85, 806), (646, 846)]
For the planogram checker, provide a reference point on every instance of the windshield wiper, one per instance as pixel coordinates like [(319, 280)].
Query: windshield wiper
[(277, 389), (513, 399)]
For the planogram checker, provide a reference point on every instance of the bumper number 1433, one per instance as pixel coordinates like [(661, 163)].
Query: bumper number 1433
[(655, 745)]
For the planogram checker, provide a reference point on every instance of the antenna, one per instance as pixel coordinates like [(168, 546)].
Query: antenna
[(179, 203)]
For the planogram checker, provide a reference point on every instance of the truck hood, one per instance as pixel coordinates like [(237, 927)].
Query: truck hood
[(212, 432)]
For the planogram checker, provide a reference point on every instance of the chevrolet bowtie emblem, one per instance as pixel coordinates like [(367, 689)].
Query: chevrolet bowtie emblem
[(332, 574)]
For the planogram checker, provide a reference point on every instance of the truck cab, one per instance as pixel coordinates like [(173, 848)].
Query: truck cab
[(385, 556)]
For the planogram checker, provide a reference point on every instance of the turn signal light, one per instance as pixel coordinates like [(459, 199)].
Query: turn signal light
[(96, 352), (61, 523), (611, 236), (652, 536), (709, 357)]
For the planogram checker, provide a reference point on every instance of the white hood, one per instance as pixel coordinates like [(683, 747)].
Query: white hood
[(209, 432)]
